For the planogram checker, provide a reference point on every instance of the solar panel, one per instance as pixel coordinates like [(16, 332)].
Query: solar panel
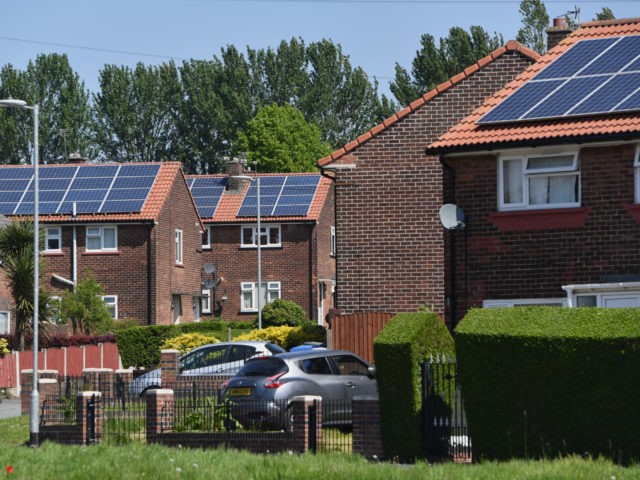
[(592, 77), (206, 192), (280, 196)]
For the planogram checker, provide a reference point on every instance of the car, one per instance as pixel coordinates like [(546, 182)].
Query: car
[(223, 358), (260, 394)]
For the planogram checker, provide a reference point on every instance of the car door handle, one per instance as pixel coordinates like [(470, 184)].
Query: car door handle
[(351, 385)]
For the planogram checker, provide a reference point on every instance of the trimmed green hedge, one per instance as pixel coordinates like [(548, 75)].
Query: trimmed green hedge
[(399, 349), (547, 381)]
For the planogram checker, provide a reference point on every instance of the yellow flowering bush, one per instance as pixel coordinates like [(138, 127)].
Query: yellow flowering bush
[(4, 346), (187, 342), (285, 336)]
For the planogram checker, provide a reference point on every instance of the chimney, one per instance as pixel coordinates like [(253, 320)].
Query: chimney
[(235, 167), (76, 158), (560, 30)]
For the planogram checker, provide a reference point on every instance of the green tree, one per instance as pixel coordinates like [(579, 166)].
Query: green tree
[(281, 140), (16, 255), (85, 308), (535, 21), (135, 113), (65, 111), (283, 312), (605, 14)]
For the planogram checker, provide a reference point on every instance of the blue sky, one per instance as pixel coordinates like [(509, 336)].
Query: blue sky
[(374, 33)]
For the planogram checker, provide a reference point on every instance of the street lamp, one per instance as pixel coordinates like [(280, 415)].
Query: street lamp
[(35, 396), (257, 179)]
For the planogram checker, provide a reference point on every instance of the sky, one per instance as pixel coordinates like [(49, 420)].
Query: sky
[(375, 34)]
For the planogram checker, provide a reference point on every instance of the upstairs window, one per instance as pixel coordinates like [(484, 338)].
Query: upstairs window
[(53, 239), (179, 237), (206, 237), (332, 242), (102, 239), (539, 181), (269, 236)]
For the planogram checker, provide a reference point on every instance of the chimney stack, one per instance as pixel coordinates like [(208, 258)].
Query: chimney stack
[(558, 32), (235, 167)]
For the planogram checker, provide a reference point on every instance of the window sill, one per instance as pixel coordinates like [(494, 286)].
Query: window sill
[(102, 252), (52, 254), (556, 218), (634, 211), (255, 247)]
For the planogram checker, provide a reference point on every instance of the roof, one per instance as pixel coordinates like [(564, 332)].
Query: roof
[(468, 135), (511, 46), (230, 202)]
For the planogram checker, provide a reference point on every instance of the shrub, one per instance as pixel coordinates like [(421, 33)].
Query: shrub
[(399, 349), (187, 342), (4, 346), (283, 312), (287, 336)]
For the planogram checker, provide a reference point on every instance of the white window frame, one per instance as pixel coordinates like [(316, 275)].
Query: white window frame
[(99, 233), (636, 168), (266, 236), (520, 302), (205, 301), (8, 331), (332, 242), (528, 173), (601, 292), (207, 232), (111, 301), (48, 235), (249, 289), (179, 242)]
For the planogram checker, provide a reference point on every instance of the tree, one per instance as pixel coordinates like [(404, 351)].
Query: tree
[(65, 112), (535, 21), (605, 14), (16, 255), (85, 308), (281, 140)]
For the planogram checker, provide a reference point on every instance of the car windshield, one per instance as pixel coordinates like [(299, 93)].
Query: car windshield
[(263, 367)]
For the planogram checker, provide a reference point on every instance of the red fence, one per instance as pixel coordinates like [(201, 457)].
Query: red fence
[(357, 331), (66, 361)]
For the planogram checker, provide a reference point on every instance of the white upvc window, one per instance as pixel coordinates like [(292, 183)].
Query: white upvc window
[(537, 181), (205, 301), (53, 239), (270, 291), (111, 301), (179, 239), (332, 242), (636, 167), (102, 238), (206, 237), (604, 295), (269, 236), (521, 302), (4, 322), (54, 305)]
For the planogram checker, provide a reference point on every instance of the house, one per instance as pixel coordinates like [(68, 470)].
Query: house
[(297, 258), (390, 243), (134, 227), (547, 173)]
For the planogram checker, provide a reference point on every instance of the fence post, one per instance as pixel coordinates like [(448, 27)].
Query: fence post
[(300, 406), (169, 367), (83, 404), (160, 412)]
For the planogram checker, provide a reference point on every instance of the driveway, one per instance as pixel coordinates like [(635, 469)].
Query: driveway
[(10, 407)]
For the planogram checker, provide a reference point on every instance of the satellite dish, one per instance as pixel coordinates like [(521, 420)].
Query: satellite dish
[(209, 268), (209, 283), (451, 216)]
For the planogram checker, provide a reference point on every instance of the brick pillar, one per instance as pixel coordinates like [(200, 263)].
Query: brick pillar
[(169, 367), (301, 428), (26, 382), (48, 395), (367, 439), (160, 412), (81, 416), (99, 379)]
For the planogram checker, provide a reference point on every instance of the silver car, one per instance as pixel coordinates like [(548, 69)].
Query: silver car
[(260, 393), (223, 358)]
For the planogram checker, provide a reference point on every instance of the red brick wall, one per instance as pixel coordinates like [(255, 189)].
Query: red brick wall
[(325, 263), (390, 241), (536, 263)]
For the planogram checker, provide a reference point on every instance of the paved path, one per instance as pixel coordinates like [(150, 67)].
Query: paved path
[(10, 407)]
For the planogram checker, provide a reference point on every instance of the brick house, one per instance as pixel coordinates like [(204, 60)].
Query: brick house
[(297, 257), (390, 243), (134, 226), (550, 183)]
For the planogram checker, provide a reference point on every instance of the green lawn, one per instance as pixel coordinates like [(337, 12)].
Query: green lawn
[(137, 461)]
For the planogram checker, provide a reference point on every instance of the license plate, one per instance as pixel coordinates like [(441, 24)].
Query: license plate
[(245, 391)]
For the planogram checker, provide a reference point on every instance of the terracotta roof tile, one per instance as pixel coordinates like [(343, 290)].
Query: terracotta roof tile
[(468, 135), (416, 104)]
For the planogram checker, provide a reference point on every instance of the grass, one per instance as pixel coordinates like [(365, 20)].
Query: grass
[(136, 461)]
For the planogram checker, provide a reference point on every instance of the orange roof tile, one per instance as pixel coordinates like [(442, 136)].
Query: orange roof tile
[(468, 135), (511, 46)]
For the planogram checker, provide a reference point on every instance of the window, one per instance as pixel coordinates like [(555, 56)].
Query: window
[(54, 305), (332, 242), (102, 239), (4, 323), (111, 301), (636, 165), (521, 302), (178, 246), (205, 300), (270, 291), (269, 236), (206, 237), (539, 181), (204, 357), (604, 295), (53, 239)]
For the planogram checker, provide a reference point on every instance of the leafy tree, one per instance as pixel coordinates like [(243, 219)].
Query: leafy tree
[(136, 113), (605, 14), (283, 312), (65, 111), (281, 140), (86, 309), (16, 255), (535, 21)]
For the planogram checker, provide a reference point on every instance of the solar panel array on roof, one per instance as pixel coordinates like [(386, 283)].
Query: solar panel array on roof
[(592, 77), (280, 196), (206, 192), (92, 188)]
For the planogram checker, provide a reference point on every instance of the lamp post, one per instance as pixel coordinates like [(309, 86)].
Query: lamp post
[(35, 396), (257, 179)]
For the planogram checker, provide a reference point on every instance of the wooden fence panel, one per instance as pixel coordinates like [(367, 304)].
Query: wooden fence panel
[(357, 331), (7, 370)]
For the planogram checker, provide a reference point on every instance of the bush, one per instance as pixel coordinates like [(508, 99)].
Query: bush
[(399, 349), (4, 346), (187, 342), (283, 312), (286, 336)]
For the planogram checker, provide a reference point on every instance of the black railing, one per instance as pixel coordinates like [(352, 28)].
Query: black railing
[(91, 420)]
